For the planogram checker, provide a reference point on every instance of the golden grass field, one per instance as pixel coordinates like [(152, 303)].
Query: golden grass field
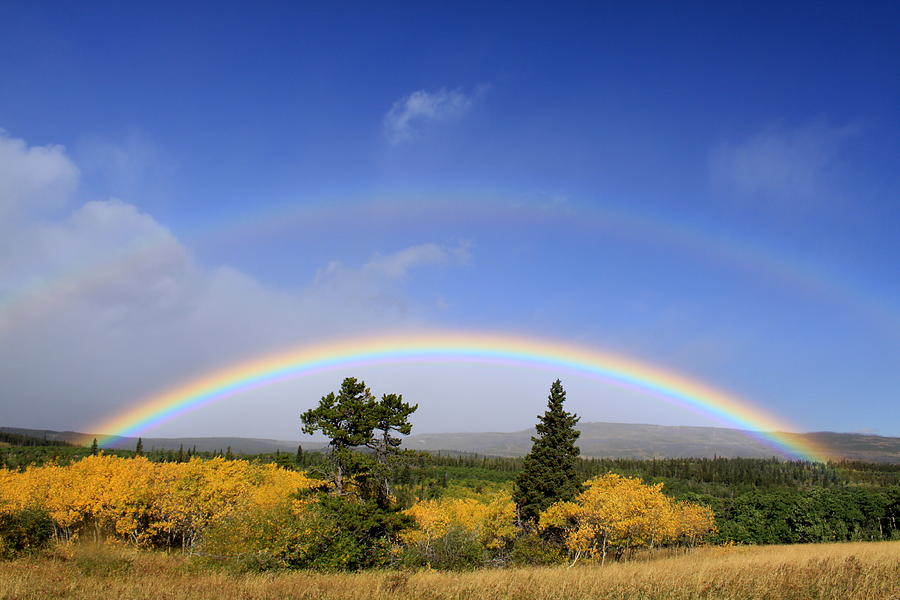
[(864, 571)]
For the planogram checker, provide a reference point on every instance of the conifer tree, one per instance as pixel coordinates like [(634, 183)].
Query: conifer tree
[(548, 474), (94, 448), (347, 418), (351, 419), (390, 414), (139, 448)]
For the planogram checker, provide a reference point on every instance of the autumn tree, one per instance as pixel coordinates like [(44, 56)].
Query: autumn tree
[(616, 513), (693, 523), (548, 474)]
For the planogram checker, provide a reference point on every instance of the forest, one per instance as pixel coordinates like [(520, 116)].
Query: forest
[(366, 503)]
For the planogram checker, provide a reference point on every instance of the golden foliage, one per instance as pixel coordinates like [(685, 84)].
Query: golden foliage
[(624, 513), (146, 502), (493, 521)]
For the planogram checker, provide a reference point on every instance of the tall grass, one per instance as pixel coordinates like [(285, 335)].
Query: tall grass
[(864, 571)]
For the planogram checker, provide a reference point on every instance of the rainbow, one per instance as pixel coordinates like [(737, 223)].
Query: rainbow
[(460, 346)]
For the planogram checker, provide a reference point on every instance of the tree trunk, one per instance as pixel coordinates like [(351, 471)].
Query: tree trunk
[(338, 476)]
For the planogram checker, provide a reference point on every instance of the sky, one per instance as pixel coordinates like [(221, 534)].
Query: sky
[(711, 189)]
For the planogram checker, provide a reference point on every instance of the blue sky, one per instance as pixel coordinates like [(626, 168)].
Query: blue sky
[(712, 189)]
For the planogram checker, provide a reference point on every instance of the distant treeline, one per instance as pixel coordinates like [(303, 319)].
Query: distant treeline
[(19, 457), (17, 439), (706, 472)]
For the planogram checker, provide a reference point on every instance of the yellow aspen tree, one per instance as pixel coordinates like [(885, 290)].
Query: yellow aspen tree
[(613, 512)]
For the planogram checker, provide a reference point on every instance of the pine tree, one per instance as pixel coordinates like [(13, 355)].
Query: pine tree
[(94, 448), (548, 472), (351, 419), (348, 419), (391, 414), (139, 448)]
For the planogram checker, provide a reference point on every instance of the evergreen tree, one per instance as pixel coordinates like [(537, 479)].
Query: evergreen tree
[(139, 448), (391, 414), (351, 419), (94, 448), (548, 474), (348, 418), (299, 455)]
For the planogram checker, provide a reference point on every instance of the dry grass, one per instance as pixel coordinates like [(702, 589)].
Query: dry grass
[(869, 571)]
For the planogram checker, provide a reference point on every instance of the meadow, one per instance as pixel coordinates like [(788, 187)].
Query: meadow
[(846, 571), (182, 525)]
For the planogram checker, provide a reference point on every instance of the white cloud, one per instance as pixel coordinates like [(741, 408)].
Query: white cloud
[(398, 264), (105, 305), (411, 114), (378, 282), (33, 178), (779, 164)]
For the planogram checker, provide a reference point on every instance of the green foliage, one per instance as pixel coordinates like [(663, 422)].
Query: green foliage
[(391, 414), (814, 515), (351, 419), (19, 439), (331, 534), (24, 532), (531, 549), (352, 535), (548, 472), (346, 418), (456, 550)]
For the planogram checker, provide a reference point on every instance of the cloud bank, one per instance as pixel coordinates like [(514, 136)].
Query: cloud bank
[(100, 304), (33, 178)]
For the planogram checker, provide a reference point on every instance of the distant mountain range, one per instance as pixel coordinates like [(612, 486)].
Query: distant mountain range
[(623, 440)]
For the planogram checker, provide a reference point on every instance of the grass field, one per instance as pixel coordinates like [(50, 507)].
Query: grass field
[(869, 571)]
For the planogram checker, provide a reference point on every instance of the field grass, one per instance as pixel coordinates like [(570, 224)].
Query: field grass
[(869, 571)]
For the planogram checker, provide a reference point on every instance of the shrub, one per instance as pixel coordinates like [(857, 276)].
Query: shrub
[(457, 550), (530, 549), (24, 532), (327, 534)]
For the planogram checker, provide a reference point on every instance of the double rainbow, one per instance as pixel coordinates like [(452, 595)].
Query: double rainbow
[(470, 347)]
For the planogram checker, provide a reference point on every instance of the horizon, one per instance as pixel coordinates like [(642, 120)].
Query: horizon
[(710, 193), (312, 438)]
